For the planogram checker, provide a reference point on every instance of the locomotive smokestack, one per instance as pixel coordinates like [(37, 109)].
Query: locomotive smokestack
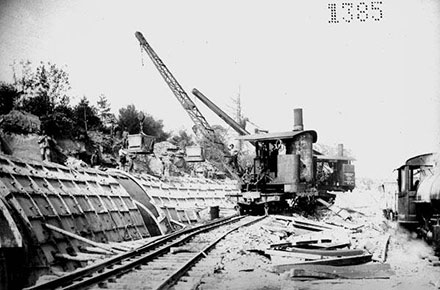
[(340, 149), (298, 119)]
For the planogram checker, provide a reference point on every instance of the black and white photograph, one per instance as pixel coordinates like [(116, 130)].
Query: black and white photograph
[(204, 145)]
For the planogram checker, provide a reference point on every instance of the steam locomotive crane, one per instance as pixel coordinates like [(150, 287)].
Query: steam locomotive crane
[(341, 180), (201, 125)]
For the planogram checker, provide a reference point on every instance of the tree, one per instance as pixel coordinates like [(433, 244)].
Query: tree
[(216, 153), (104, 109), (130, 118), (85, 116), (182, 139), (44, 92), (42, 88), (8, 96), (107, 118), (153, 127), (59, 122)]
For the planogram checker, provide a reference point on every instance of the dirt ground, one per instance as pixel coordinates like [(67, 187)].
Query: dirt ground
[(245, 267)]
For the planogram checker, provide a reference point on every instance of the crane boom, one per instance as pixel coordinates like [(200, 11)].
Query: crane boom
[(231, 122), (190, 107)]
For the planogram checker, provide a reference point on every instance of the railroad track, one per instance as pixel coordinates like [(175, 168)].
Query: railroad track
[(157, 265)]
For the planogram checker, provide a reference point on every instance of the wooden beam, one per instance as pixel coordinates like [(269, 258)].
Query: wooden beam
[(344, 261), (80, 257), (95, 250), (366, 271), (324, 237), (303, 221), (380, 254), (79, 238), (328, 246), (287, 254), (337, 253)]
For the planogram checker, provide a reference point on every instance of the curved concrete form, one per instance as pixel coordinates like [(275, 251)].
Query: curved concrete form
[(181, 199), (49, 210)]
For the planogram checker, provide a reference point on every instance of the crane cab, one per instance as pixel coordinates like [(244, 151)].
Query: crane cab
[(335, 173)]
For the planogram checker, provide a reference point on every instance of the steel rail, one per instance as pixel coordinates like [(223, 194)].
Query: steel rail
[(174, 277), (117, 260), (119, 270)]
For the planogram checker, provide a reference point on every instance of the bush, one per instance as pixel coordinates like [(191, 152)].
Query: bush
[(8, 97), (20, 122)]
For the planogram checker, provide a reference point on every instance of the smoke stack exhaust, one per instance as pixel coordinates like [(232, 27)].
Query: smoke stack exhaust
[(298, 119), (340, 149)]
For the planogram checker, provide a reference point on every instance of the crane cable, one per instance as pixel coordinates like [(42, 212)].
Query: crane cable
[(142, 55)]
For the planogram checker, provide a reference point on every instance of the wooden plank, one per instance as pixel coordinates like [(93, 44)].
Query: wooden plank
[(380, 254), (295, 255), (366, 271), (79, 238), (96, 250), (347, 225), (338, 253), (312, 244), (80, 257), (300, 220), (305, 275), (327, 236), (280, 245), (344, 261), (120, 247), (307, 227), (323, 245)]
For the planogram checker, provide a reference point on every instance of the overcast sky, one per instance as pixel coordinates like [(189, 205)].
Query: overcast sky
[(372, 85)]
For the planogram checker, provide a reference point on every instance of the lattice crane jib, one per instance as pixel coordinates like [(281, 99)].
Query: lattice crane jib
[(201, 125)]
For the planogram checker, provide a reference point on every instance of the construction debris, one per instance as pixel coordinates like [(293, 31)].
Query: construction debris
[(337, 210), (380, 254), (338, 246), (340, 261), (325, 252), (366, 271)]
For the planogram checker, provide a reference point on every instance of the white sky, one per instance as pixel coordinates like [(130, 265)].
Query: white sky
[(372, 85)]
